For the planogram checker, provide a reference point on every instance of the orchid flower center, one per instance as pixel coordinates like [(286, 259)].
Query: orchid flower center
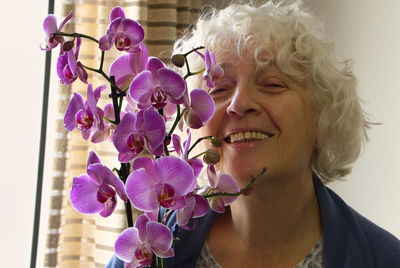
[(105, 193), (122, 42), (84, 119), (68, 73), (158, 99), (135, 141), (144, 254), (165, 195)]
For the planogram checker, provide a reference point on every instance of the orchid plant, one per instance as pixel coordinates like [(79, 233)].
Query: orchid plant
[(158, 185)]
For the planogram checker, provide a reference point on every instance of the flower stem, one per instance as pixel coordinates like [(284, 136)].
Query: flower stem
[(194, 144), (200, 154), (242, 191), (177, 119), (75, 35)]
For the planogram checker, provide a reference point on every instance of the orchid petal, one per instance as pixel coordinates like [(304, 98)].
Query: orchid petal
[(183, 215), (126, 243), (109, 207), (153, 129), (201, 104), (228, 184), (117, 12), (148, 164), (83, 195), (201, 207), (67, 18), (104, 43), (140, 224), (133, 31), (50, 24), (153, 65), (172, 84), (105, 175), (82, 74), (217, 204), (140, 190), (212, 176), (175, 172), (141, 88), (72, 62), (176, 142), (92, 159), (74, 106), (159, 237), (123, 129)]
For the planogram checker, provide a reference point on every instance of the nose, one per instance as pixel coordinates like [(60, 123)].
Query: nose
[(243, 102)]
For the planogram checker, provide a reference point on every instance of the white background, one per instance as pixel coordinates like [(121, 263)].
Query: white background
[(366, 30)]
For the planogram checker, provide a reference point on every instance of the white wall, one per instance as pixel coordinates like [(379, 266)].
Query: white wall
[(368, 31), (21, 73)]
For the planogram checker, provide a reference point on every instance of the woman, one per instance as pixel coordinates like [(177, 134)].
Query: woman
[(284, 102)]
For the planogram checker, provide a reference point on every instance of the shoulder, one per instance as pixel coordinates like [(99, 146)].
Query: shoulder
[(364, 239)]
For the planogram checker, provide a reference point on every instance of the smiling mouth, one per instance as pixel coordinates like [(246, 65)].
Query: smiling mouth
[(247, 136)]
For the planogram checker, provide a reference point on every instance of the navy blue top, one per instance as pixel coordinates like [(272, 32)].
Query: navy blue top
[(350, 240)]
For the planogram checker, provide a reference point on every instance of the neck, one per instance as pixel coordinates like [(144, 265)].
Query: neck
[(277, 212)]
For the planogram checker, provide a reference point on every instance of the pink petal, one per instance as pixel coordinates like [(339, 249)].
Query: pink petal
[(175, 172), (212, 176), (227, 184), (140, 224), (92, 159), (67, 18), (172, 84), (153, 65), (50, 24), (159, 237), (141, 88), (217, 204), (83, 195), (104, 43), (133, 30), (201, 104), (201, 206), (117, 12), (140, 190), (108, 207), (123, 129), (183, 215), (176, 141), (74, 106), (126, 243)]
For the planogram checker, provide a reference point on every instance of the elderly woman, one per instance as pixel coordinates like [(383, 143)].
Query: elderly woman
[(286, 103)]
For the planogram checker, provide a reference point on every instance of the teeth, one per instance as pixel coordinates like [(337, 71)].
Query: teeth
[(248, 136)]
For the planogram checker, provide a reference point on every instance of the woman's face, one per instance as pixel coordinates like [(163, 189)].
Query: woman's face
[(264, 118)]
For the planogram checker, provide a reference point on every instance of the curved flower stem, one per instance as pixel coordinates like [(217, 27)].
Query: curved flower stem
[(102, 60), (104, 75), (109, 120), (75, 35), (200, 154), (197, 141), (242, 191)]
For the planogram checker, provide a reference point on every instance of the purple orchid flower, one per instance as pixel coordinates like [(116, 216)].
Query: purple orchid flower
[(125, 33), (135, 132), (127, 66), (136, 245), (220, 183), (164, 182), (86, 117), (195, 163), (156, 86), (196, 206), (200, 109), (50, 28), (95, 192), (68, 66), (213, 70)]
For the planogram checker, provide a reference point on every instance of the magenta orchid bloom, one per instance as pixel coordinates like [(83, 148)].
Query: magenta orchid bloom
[(68, 66), (50, 27), (86, 117), (125, 33), (95, 192), (136, 132), (164, 182), (196, 206), (136, 245), (127, 66), (213, 70), (200, 109), (182, 151), (156, 86), (220, 183)]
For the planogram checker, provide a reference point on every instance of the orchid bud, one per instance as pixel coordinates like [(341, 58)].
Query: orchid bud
[(178, 60), (215, 142), (211, 157)]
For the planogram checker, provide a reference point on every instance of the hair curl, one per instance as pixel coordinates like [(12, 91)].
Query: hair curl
[(293, 40)]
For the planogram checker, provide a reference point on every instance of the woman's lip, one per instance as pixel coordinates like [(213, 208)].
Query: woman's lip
[(235, 131)]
